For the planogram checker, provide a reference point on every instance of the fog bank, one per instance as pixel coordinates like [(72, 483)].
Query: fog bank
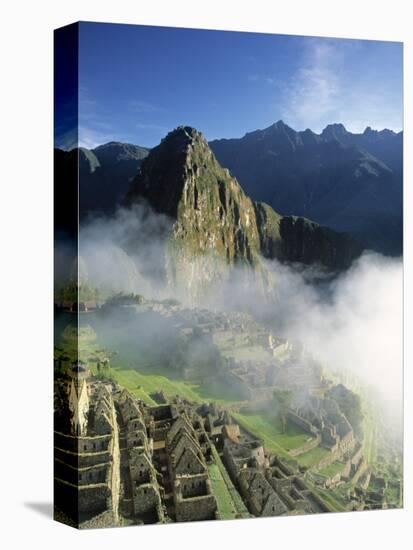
[(352, 324)]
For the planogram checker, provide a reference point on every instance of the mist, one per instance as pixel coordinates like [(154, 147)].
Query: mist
[(126, 252), (351, 323)]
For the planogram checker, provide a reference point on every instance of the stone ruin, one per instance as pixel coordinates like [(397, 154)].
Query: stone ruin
[(119, 460)]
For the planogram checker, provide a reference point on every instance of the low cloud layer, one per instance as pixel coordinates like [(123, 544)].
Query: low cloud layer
[(352, 324)]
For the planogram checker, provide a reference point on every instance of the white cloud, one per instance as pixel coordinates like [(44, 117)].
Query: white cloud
[(327, 87), (91, 138), (311, 96)]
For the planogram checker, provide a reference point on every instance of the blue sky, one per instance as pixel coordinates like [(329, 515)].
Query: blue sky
[(137, 83)]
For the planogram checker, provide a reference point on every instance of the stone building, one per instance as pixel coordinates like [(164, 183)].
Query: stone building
[(86, 468), (78, 398), (268, 485), (140, 475), (194, 499), (322, 418), (188, 448)]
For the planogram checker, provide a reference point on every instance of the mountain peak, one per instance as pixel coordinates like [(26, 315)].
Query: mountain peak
[(184, 133), (182, 155), (117, 150), (280, 126), (334, 131), (369, 131)]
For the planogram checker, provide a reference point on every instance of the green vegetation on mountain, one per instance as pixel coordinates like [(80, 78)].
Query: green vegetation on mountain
[(215, 225), (214, 222)]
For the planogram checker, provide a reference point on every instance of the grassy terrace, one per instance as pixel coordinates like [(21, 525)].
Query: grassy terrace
[(332, 499), (332, 469), (141, 384), (271, 433), (313, 457), (370, 437), (230, 504), (269, 430)]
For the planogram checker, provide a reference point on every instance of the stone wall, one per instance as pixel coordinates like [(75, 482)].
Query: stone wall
[(86, 476), (301, 422), (338, 454), (93, 498), (195, 508), (308, 446), (114, 479), (101, 521), (88, 444), (361, 469), (146, 498), (83, 460)]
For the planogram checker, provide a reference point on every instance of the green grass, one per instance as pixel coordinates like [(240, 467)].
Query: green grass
[(330, 498), (213, 390), (313, 457), (332, 469), (128, 382), (132, 379), (271, 433), (162, 380), (370, 437), (226, 507), (230, 504)]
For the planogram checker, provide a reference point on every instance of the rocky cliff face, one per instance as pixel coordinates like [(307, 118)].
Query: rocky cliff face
[(216, 227), (297, 240)]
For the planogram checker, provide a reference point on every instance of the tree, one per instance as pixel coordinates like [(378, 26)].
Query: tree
[(282, 402)]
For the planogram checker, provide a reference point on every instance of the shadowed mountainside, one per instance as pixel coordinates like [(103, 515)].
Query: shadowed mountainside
[(105, 174), (348, 182)]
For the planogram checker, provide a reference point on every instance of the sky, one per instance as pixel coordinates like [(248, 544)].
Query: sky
[(136, 83)]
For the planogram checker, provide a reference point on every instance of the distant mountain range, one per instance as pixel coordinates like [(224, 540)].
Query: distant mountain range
[(349, 182)]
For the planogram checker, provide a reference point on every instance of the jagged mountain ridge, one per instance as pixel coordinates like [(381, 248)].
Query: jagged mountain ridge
[(385, 145), (348, 182), (334, 178), (216, 225)]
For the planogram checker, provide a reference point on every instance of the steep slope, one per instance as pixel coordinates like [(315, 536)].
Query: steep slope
[(331, 178), (294, 239), (215, 225)]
